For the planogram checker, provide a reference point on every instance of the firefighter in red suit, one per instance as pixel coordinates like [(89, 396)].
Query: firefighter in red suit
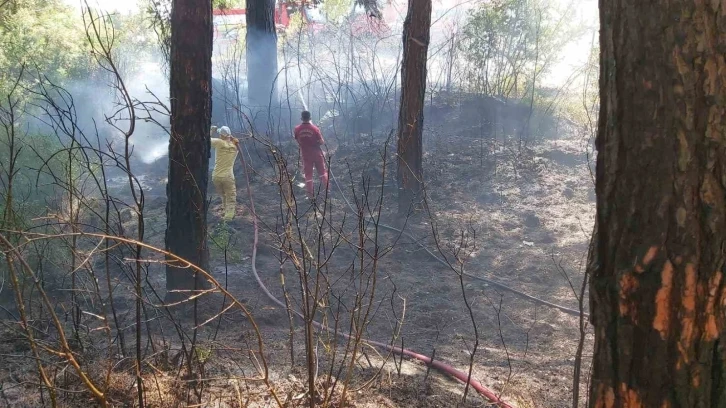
[(310, 139)]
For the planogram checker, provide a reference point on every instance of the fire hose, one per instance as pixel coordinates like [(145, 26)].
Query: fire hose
[(443, 367)]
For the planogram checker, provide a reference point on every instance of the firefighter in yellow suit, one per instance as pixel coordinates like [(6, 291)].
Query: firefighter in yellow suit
[(223, 175)]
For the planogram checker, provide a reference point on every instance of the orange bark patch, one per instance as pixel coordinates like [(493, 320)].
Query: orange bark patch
[(712, 328), (650, 255), (688, 314), (689, 291), (631, 398), (663, 300), (628, 285), (605, 397)]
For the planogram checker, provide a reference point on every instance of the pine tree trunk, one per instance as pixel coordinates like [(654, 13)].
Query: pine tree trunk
[(261, 61), (413, 92), (189, 146), (657, 260)]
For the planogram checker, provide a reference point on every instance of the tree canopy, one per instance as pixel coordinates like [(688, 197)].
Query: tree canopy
[(46, 35), (506, 42)]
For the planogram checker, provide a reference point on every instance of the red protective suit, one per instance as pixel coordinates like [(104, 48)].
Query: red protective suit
[(310, 140)]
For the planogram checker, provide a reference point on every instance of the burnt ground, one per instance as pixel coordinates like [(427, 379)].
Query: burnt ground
[(527, 216)]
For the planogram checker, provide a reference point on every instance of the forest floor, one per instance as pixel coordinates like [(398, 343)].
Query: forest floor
[(527, 216)]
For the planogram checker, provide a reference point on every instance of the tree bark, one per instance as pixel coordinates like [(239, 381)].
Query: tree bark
[(261, 60), (413, 92), (189, 145), (657, 259)]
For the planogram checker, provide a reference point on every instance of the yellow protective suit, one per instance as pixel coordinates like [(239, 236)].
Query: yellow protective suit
[(223, 175)]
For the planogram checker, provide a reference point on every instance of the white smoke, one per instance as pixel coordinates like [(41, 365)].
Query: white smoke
[(100, 110), (151, 141), (155, 151)]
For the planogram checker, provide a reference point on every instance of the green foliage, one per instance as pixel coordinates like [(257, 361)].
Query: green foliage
[(48, 182), (202, 353), (133, 42), (49, 37), (335, 10), (295, 25), (43, 34), (228, 4), (582, 106), (38, 166), (221, 240), (507, 43), (157, 17)]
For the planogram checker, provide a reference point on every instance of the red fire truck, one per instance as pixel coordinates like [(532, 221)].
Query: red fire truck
[(228, 22)]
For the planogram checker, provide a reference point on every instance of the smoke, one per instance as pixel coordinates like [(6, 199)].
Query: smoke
[(302, 100), (345, 73), (298, 80), (99, 109), (340, 71), (156, 150), (96, 103)]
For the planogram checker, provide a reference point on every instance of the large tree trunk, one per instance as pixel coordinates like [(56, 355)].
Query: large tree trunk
[(261, 61), (191, 106), (657, 260), (413, 92)]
